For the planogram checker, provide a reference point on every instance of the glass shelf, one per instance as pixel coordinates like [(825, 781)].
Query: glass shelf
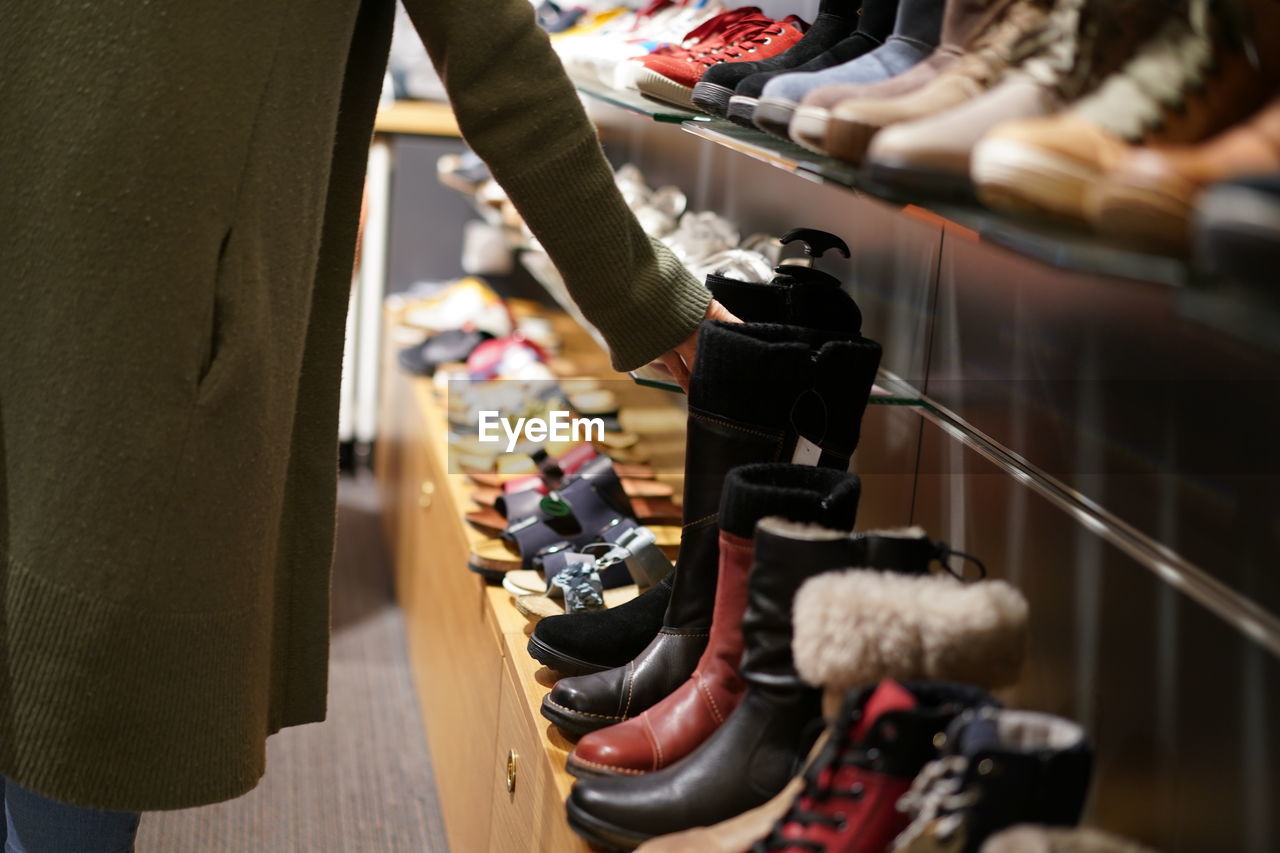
[(634, 102), (1058, 246)]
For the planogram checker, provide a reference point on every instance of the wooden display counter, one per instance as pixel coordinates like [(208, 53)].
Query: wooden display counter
[(499, 764)]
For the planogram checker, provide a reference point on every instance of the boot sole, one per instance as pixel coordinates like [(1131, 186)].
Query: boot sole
[(849, 140), (601, 833), (742, 110), (712, 98), (573, 723), (904, 176), (665, 89), (1145, 217), (809, 128), (774, 115), (1022, 178), (561, 663), (581, 770)]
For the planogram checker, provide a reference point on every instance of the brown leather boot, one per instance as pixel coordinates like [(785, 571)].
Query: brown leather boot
[(1197, 76), (1083, 43), (1007, 34), (1148, 198)]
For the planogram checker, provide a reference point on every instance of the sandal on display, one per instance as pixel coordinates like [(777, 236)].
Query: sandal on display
[(568, 519), (608, 573), (442, 348)]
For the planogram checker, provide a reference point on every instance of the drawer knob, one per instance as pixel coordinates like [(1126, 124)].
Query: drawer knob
[(426, 494), (512, 758)]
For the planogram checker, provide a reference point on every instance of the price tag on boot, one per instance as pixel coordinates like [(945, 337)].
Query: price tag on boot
[(807, 453)]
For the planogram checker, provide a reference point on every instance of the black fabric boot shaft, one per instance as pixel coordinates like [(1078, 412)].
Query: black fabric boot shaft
[(919, 21), (875, 24), (801, 493), (759, 748), (1018, 767), (590, 642)]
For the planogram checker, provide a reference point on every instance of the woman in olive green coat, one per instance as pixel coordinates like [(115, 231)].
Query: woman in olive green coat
[(177, 224)]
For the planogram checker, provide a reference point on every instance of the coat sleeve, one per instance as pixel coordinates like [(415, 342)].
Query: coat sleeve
[(519, 112)]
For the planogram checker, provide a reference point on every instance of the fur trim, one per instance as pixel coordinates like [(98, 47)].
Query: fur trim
[(801, 530), (857, 627)]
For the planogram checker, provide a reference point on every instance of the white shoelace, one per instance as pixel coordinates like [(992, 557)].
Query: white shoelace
[(935, 800)]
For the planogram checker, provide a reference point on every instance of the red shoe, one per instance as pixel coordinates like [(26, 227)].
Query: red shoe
[(671, 76), (880, 741)]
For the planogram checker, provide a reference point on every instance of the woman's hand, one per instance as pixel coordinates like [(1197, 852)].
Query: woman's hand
[(679, 361)]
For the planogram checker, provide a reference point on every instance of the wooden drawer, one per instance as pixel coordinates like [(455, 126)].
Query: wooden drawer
[(519, 777)]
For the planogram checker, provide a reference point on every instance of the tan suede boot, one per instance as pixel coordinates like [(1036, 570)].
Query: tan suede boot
[(1083, 42), (1196, 77), (1147, 199), (990, 53)]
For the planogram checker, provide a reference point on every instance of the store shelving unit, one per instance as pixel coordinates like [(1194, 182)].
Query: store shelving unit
[(1051, 395)]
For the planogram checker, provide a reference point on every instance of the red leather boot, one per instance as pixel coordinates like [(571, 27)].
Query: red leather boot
[(672, 728), (678, 724)]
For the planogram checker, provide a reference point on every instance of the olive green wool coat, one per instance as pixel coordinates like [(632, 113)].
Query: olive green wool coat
[(180, 187)]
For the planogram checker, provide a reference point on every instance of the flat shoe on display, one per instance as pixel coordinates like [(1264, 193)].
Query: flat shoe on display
[(671, 77), (751, 106), (916, 30), (448, 347), (836, 20)]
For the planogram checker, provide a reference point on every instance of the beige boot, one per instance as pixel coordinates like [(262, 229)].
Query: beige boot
[(989, 55), (1193, 79), (1082, 43)]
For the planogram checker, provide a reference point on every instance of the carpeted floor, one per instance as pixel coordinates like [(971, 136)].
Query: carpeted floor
[(361, 780)]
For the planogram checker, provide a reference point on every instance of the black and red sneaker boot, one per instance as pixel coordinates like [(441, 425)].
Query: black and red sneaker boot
[(882, 738), (998, 768)]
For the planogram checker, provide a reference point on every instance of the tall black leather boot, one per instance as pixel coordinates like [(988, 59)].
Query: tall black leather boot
[(801, 300), (759, 748), (763, 393)]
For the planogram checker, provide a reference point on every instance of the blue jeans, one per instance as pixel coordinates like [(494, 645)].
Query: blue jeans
[(36, 824)]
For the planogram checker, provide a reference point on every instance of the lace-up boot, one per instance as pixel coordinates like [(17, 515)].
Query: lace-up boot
[(999, 768), (671, 77), (881, 740)]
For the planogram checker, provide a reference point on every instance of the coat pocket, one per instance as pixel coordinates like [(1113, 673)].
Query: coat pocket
[(213, 361)]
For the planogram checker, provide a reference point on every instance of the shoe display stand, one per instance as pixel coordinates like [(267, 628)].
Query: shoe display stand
[(499, 765), (1064, 416), (1094, 422)]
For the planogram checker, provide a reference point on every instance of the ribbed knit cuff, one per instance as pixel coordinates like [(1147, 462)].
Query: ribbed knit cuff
[(800, 493)]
